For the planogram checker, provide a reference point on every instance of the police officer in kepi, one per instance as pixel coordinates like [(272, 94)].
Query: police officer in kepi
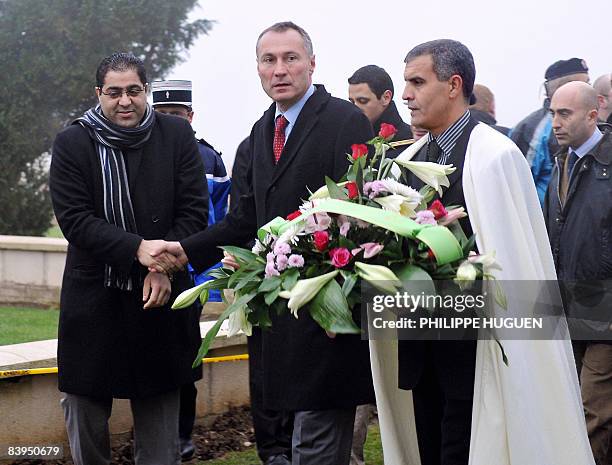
[(174, 97)]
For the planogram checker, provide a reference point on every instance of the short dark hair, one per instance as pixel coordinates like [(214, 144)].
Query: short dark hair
[(375, 77), (120, 61), (449, 57), (285, 26)]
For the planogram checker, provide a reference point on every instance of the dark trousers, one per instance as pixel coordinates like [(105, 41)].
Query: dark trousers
[(323, 437), (187, 410), (273, 429), (443, 414)]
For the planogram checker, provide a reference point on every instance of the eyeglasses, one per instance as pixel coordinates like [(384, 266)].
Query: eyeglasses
[(116, 93)]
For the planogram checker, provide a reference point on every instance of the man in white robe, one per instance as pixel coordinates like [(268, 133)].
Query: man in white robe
[(527, 412)]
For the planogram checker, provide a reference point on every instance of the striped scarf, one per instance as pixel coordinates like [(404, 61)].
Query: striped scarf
[(110, 141)]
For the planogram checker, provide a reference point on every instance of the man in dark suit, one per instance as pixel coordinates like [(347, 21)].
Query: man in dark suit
[(304, 136), (122, 175), (371, 89), (439, 79)]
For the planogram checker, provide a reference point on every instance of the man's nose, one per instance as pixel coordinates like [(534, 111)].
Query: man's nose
[(280, 68), (124, 100), (407, 94)]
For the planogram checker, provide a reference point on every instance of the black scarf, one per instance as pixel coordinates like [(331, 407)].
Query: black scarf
[(110, 140)]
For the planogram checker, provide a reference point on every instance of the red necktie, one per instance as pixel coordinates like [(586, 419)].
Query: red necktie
[(279, 137)]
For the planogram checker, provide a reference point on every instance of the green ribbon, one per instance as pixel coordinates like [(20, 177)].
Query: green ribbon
[(439, 239)]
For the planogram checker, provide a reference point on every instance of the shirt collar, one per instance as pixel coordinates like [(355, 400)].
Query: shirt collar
[(293, 112), (448, 139), (590, 143)]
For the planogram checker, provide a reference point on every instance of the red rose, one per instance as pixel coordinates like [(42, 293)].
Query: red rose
[(359, 150), (438, 209), (353, 190), (321, 239), (431, 255), (294, 215), (387, 131), (340, 256)]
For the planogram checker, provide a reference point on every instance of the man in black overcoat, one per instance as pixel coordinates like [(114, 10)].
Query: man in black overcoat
[(320, 379), (121, 176)]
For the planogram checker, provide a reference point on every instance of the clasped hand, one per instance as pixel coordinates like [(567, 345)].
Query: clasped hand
[(161, 256)]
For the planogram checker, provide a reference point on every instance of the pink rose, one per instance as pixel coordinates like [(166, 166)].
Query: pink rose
[(371, 248), (321, 240), (340, 256)]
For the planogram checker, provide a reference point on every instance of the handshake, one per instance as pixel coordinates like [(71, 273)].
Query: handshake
[(160, 256), (162, 259)]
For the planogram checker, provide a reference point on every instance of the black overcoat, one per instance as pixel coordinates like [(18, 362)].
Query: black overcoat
[(303, 368), (108, 345)]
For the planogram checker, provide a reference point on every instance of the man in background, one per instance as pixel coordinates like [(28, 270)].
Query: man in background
[(371, 89), (175, 98), (484, 108), (578, 214), (533, 135), (603, 87)]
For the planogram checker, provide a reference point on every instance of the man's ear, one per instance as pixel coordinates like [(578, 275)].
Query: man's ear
[(190, 116), (593, 115), (386, 97), (312, 65), (455, 86)]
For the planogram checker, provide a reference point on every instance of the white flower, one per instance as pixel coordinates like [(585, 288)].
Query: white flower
[(258, 247), (305, 290), (323, 193), (291, 234), (395, 187), (466, 274), (398, 203), (187, 297), (432, 174), (487, 260), (379, 276), (238, 321)]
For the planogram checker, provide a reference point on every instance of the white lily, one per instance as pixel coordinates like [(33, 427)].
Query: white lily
[(466, 274), (187, 297), (305, 290), (432, 174), (291, 234), (487, 260), (381, 277), (323, 193), (238, 321), (398, 203)]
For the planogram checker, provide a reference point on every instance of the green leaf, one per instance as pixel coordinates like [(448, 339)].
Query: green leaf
[(204, 296), (415, 280), (331, 311), (218, 273), (503, 352), (271, 296), (500, 296), (335, 192), (212, 332), (269, 284), (349, 283), (237, 275), (290, 277), (242, 256), (248, 278)]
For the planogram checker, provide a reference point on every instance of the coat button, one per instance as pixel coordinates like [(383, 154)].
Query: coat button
[(556, 250), (155, 218), (272, 188)]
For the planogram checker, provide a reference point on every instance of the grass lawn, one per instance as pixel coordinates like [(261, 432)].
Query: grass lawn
[(54, 231), (372, 452), (19, 325)]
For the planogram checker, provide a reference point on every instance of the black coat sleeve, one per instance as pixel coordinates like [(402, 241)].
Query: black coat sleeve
[(190, 190), (238, 227), (70, 182)]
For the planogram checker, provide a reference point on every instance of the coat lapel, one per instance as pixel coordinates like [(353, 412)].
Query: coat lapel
[(306, 121), (457, 157)]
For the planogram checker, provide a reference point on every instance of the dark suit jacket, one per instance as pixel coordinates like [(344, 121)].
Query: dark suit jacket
[(303, 368), (454, 360), (392, 116), (108, 345)]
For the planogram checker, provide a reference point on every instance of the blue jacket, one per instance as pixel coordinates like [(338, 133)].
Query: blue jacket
[(219, 185), (534, 136)]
